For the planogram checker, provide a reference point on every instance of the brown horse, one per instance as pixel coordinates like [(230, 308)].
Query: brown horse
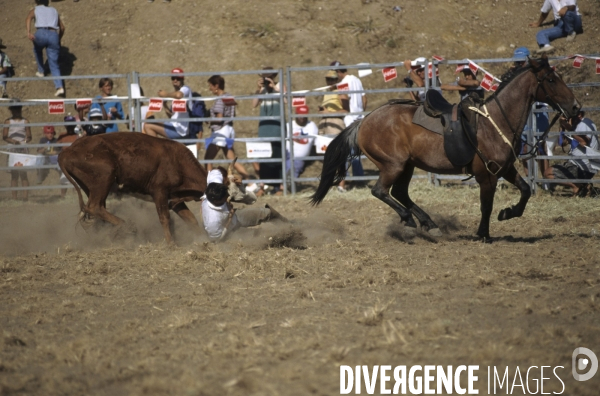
[(388, 137)]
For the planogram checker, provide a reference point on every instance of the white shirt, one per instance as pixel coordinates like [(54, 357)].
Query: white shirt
[(356, 103), (181, 127), (583, 151), (556, 5), (215, 219), (302, 142)]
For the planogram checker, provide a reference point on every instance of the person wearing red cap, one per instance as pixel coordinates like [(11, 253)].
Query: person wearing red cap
[(114, 110), (173, 129), (17, 133), (303, 132)]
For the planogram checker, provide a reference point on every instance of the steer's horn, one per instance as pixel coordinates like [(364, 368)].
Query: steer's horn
[(230, 167)]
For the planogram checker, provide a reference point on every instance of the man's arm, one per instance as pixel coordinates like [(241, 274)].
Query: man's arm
[(30, 16), (61, 28), (364, 102), (541, 20)]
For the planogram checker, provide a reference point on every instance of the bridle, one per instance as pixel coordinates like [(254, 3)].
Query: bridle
[(534, 148)]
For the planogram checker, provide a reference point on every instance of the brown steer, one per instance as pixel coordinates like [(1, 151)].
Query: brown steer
[(136, 164)]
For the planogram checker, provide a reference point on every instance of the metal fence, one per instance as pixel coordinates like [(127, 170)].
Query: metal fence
[(285, 98)]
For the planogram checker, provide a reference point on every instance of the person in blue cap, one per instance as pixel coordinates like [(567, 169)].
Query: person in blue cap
[(521, 52)]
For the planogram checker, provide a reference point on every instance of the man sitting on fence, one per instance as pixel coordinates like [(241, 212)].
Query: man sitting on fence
[(583, 144), (174, 129)]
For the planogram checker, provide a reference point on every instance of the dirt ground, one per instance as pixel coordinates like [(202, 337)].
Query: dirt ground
[(277, 309)]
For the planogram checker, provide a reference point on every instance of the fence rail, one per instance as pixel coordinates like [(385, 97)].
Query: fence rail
[(285, 118)]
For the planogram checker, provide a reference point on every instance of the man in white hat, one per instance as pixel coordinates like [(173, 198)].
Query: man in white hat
[(416, 76)]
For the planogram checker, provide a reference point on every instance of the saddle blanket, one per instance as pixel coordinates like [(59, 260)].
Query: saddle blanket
[(430, 123)]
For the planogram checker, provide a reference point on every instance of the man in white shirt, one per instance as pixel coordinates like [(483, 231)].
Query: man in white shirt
[(585, 143), (567, 23), (303, 132), (357, 104), (220, 218), (173, 129)]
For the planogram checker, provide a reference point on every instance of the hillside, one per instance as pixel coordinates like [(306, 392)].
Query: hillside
[(110, 36)]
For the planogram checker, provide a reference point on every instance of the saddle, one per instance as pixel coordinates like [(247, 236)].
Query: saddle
[(459, 126)]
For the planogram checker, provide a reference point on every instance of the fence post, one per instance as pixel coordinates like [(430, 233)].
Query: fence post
[(283, 128), (290, 134)]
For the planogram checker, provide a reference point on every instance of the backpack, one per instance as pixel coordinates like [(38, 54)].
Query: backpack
[(196, 110), (11, 70)]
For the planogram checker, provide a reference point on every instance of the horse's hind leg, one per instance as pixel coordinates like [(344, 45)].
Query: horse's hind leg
[(400, 192), (487, 190), (513, 177), (381, 191)]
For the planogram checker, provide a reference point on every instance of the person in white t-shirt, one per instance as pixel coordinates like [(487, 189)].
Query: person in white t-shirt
[(173, 129), (302, 130), (567, 23), (358, 104), (219, 216), (585, 143)]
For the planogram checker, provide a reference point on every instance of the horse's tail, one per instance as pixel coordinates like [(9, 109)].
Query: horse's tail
[(343, 147)]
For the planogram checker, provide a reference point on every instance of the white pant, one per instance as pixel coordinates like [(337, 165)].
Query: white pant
[(219, 136)]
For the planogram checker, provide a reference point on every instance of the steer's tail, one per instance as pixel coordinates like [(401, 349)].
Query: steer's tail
[(335, 166), (62, 162)]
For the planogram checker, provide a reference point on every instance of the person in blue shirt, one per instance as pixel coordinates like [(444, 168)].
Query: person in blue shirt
[(114, 110)]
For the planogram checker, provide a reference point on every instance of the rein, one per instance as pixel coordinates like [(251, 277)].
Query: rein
[(534, 149)]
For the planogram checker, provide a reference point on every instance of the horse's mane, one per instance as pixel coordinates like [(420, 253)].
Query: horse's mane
[(513, 72)]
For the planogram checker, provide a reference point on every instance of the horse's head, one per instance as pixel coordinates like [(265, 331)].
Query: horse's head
[(552, 89)]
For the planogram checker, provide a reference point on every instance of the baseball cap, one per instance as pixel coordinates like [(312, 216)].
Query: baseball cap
[(302, 110), (95, 112), (336, 63), (49, 129), (521, 52), (331, 74), (70, 118), (269, 75), (415, 63), (177, 72)]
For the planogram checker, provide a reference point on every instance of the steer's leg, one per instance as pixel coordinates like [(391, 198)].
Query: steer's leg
[(186, 215), (162, 207)]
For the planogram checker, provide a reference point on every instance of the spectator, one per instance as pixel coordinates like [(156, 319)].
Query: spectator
[(467, 85), (5, 68), (302, 130), (49, 152), (567, 23), (582, 144), (333, 103), (95, 114), (145, 112), (114, 110), (222, 132), (17, 133), (49, 32), (416, 76), (520, 52), (269, 129), (357, 103), (220, 218), (173, 129)]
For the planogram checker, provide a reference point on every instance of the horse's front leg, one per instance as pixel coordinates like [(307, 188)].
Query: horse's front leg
[(513, 177), (487, 190)]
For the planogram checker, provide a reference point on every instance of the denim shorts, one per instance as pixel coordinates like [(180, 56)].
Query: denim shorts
[(171, 132)]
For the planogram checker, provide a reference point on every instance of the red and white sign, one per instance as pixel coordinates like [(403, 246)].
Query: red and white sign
[(298, 101), (597, 66), (495, 87), (487, 82), (438, 58), (155, 104), (430, 73), (229, 101), (56, 107), (343, 87), (83, 103), (578, 61), (459, 68), (179, 106), (389, 73), (473, 67)]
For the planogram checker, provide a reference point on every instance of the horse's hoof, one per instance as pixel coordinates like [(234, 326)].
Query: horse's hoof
[(504, 214), (436, 232)]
